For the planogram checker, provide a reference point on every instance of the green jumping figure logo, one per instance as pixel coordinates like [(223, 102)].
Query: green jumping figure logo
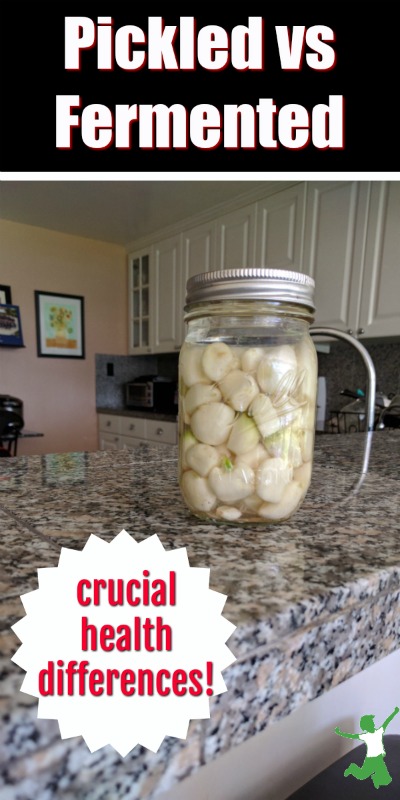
[(374, 763)]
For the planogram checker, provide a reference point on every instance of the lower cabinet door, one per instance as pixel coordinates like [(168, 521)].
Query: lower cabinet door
[(165, 432), (130, 442), (109, 441)]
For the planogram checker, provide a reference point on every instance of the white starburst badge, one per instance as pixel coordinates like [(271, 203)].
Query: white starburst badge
[(123, 643)]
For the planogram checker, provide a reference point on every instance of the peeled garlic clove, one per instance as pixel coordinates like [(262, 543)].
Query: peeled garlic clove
[(202, 458), (272, 478), (244, 435), (231, 483), (218, 359), (303, 475), (197, 492), (223, 451), (199, 394), (251, 358), (290, 500), (212, 423), (190, 365), (264, 415), (307, 445), (188, 440), (285, 444), (228, 512), (238, 389), (253, 458), (307, 364), (252, 503), (274, 366)]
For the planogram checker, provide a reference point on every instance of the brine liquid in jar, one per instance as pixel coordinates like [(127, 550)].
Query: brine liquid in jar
[(247, 395)]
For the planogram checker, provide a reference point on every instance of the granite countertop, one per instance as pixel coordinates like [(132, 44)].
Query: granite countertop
[(315, 600)]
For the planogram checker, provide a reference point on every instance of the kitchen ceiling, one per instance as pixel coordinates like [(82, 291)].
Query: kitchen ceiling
[(113, 211)]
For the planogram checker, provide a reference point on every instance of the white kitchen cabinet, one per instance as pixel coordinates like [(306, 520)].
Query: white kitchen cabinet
[(109, 429), (198, 255), (345, 234), (109, 441), (333, 248), (122, 432), (280, 229), (109, 423), (236, 238), (165, 297), (140, 330), (161, 431), (379, 313), (133, 427), (352, 246), (129, 442)]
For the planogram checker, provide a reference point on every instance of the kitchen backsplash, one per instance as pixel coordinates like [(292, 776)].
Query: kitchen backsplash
[(110, 388), (342, 367)]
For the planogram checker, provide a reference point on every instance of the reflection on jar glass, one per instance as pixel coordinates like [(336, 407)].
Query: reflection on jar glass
[(247, 395)]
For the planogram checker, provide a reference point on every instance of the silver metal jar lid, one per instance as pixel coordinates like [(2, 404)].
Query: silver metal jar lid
[(276, 285)]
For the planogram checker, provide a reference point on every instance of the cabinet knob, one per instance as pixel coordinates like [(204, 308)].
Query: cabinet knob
[(361, 331), (159, 431), (108, 423), (131, 427), (350, 331)]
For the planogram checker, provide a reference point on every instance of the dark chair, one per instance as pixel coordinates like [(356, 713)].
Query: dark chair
[(331, 784), (11, 424)]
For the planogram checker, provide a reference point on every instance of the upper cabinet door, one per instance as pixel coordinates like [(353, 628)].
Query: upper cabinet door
[(140, 333), (380, 299), (198, 250), (235, 233), (165, 300), (280, 229), (198, 255), (333, 249)]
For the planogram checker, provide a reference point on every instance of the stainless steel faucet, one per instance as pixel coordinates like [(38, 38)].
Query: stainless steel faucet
[(394, 406)]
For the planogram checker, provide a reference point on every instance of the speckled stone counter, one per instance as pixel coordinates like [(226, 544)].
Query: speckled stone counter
[(315, 600)]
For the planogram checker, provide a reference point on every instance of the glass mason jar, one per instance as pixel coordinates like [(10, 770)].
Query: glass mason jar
[(247, 395)]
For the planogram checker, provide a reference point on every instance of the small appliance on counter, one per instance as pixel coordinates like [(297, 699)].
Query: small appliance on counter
[(153, 393), (11, 423), (9, 403)]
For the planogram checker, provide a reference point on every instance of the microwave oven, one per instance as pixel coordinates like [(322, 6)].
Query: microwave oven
[(152, 392)]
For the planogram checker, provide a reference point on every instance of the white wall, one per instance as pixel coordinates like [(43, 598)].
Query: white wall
[(59, 393)]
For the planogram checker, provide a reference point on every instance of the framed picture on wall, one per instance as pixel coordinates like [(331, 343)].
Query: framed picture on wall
[(5, 295), (60, 325), (10, 326)]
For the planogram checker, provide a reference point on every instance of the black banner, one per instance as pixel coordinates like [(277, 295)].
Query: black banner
[(106, 88)]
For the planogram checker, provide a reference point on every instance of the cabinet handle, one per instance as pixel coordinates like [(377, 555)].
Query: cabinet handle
[(131, 427), (159, 431), (177, 347), (108, 423), (116, 439), (361, 331)]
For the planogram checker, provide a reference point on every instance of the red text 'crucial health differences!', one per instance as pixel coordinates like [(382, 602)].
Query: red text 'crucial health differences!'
[(123, 643)]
